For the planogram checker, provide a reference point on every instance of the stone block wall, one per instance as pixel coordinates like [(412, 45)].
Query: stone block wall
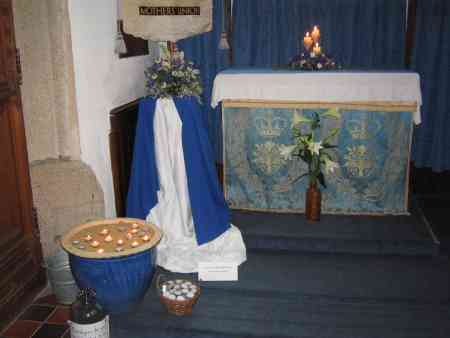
[(66, 193)]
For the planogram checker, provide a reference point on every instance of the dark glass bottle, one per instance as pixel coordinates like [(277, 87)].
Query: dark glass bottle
[(86, 310)]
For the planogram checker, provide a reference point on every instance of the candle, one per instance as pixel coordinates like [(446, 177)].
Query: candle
[(88, 237), (146, 238), (135, 226), (307, 41), (129, 236), (100, 251), (104, 232), (315, 34), (108, 238), (317, 49), (120, 241), (134, 231), (135, 244), (119, 249), (95, 244)]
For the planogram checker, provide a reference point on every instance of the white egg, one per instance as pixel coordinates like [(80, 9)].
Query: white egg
[(190, 295), (181, 298)]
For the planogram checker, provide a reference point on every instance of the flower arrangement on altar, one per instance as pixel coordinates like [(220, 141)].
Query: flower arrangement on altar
[(313, 58), (315, 152), (173, 76)]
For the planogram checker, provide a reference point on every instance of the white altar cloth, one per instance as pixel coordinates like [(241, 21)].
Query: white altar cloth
[(333, 86), (178, 250)]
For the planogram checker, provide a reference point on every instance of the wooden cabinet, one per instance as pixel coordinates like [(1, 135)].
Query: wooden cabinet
[(21, 272)]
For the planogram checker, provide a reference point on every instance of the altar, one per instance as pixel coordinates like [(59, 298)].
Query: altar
[(377, 112)]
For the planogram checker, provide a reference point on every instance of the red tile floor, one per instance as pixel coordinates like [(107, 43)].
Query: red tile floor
[(45, 318)]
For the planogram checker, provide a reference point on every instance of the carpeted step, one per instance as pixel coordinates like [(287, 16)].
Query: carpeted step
[(244, 313), (372, 235), (356, 276)]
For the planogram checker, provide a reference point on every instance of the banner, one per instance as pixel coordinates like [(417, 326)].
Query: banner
[(166, 20)]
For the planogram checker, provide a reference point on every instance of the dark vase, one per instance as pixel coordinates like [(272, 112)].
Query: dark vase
[(313, 203)]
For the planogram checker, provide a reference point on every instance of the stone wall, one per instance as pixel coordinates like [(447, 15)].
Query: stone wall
[(65, 190), (66, 193)]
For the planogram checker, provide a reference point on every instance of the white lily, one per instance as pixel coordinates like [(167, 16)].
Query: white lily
[(299, 118), (286, 151), (330, 166), (332, 112), (315, 147)]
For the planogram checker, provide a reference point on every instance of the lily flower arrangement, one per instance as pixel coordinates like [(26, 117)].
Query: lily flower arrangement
[(317, 153), (173, 76)]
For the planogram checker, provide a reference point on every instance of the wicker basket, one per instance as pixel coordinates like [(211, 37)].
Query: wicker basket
[(179, 307)]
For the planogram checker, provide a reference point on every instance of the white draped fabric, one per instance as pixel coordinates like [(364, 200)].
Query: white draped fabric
[(178, 250), (316, 87)]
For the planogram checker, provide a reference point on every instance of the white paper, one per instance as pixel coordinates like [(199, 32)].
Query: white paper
[(217, 271)]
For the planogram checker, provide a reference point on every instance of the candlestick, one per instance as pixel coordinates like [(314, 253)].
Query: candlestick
[(317, 49), (315, 34), (307, 41)]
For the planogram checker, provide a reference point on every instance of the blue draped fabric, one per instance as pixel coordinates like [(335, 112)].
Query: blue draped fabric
[(203, 51), (431, 59), (144, 181), (209, 209), (356, 33)]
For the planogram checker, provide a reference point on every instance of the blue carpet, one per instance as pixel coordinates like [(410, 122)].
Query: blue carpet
[(379, 235), (315, 291)]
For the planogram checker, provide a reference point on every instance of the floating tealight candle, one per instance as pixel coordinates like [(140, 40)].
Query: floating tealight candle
[(129, 236), (88, 237), (146, 238), (95, 244), (135, 244), (119, 249), (101, 250), (135, 226), (108, 238), (134, 231), (120, 241), (104, 232)]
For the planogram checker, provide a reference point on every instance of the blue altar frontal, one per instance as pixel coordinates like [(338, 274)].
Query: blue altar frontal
[(373, 149)]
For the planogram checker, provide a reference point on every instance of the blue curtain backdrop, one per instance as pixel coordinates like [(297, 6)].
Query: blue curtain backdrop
[(203, 51), (431, 59), (357, 33)]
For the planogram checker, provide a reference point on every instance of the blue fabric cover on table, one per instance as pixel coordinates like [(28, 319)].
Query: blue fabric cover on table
[(209, 209)]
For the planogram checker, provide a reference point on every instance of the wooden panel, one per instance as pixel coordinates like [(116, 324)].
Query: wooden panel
[(10, 219), (21, 271), (121, 138), (7, 50)]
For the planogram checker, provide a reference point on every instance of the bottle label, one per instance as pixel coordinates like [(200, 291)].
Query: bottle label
[(96, 330)]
